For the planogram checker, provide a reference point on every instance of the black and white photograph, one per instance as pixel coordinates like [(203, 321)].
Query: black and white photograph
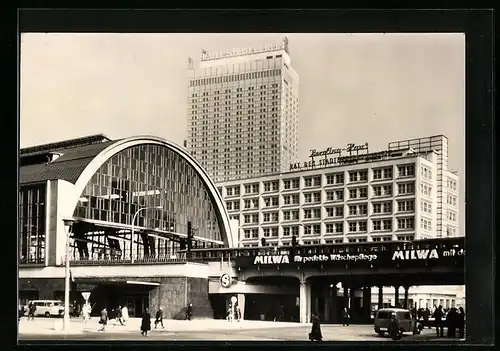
[(242, 187)]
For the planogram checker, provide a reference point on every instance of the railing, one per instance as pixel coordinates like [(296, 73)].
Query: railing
[(108, 260)]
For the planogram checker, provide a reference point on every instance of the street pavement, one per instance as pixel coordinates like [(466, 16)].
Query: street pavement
[(203, 330)]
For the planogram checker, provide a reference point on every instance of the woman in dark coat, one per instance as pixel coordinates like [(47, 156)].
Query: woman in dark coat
[(315, 334), (146, 323)]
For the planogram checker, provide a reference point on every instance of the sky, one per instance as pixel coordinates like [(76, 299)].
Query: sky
[(357, 88)]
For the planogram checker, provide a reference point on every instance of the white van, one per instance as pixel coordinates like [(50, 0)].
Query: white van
[(405, 322), (47, 308)]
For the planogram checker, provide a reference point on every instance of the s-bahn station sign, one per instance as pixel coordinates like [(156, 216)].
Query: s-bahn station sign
[(376, 258)]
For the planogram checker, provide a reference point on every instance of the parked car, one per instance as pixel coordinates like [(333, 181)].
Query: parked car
[(47, 308), (405, 322)]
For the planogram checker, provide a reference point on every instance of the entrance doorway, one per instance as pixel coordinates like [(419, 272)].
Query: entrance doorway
[(136, 305), (113, 295)]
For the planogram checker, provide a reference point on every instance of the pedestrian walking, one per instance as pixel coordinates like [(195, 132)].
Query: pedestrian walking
[(86, 312), (124, 315), (145, 323), (438, 318), (346, 316), (21, 312), (104, 319), (159, 318), (315, 334), (238, 314), (118, 315), (189, 311), (229, 314), (31, 311)]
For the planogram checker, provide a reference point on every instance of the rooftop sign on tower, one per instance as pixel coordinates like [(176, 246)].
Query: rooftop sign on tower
[(283, 45)]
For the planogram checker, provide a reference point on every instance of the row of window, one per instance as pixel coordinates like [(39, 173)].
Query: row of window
[(451, 184), (426, 172), (238, 90), (31, 216), (214, 95), (451, 216), (384, 224), (239, 105), (235, 77), (316, 181), (334, 211), (335, 241), (451, 200), (316, 197)]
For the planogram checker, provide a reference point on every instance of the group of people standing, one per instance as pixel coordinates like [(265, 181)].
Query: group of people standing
[(453, 319), (233, 314)]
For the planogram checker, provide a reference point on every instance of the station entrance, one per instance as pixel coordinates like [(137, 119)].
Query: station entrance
[(281, 305), (329, 298), (114, 294)]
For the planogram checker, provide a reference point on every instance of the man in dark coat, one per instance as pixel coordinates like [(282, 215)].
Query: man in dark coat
[(104, 319), (159, 318), (118, 315), (315, 334), (438, 318), (451, 321), (145, 323), (393, 328), (427, 314), (31, 311), (189, 312), (461, 322)]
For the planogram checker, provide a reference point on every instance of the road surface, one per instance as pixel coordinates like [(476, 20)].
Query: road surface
[(216, 330)]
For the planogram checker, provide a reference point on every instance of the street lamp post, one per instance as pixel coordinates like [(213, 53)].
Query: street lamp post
[(68, 223), (133, 228)]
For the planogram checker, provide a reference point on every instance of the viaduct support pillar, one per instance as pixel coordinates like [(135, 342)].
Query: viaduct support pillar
[(241, 305), (304, 301), (346, 296), (396, 296), (406, 297), (380, 297), (367, 304)]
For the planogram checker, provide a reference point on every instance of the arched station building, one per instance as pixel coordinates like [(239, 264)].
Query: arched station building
[(131, 201)]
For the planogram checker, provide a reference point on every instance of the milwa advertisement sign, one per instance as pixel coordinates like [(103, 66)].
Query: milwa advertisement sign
[(321, 258), (335, 258), (426, 254)]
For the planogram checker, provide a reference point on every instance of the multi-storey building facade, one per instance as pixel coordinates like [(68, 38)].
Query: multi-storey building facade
[(446, 181), (243, 112), (394, 197)]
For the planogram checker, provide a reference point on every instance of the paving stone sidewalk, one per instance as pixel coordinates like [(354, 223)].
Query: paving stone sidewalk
[(77, 326)]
